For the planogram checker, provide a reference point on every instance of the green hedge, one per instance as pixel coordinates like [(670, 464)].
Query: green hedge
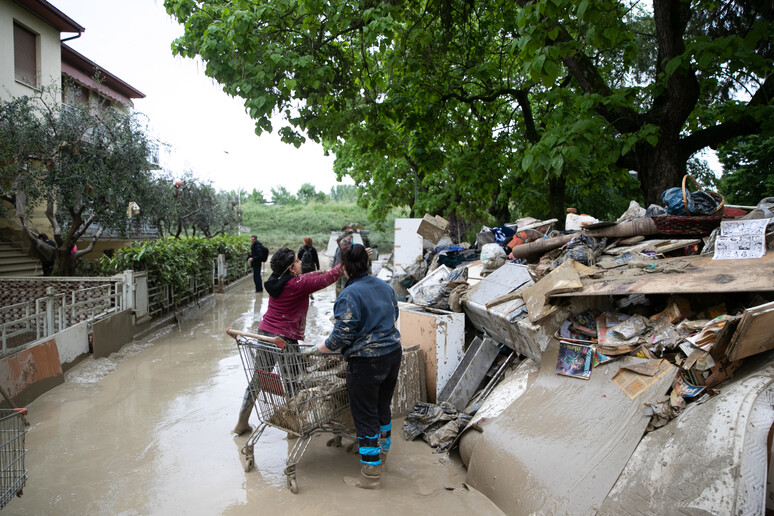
[(175, 261)]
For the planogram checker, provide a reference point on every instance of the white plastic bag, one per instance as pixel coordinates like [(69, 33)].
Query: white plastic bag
[(492, 257)]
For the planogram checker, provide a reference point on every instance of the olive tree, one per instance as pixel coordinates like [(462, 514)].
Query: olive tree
[(84, 169)]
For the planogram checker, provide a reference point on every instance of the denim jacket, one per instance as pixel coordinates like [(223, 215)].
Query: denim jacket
[(365, 313)]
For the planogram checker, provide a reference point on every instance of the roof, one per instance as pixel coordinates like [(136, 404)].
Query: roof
[(83, 70), (50, 14)]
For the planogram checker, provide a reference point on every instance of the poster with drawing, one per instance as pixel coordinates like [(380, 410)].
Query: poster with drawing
[(574, 360), (741, 239)]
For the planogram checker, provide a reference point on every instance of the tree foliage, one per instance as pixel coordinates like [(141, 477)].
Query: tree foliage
[(91, 173), (749, 170), (189, 207), (281, 195), (473, 108), (84, 168), (343, 193), (175, 261), (257, 196), (307, 193)]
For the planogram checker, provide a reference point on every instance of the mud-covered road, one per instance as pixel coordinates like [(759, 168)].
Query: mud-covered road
[(147, 431)]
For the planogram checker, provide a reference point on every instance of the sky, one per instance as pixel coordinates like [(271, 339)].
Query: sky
[(205, 130)]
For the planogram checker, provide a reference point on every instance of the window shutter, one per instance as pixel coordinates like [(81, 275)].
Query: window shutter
[(24, 55)]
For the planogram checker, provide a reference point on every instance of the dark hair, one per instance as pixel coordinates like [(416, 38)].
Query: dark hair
[(281, 260), (354, 259), (347, 234)]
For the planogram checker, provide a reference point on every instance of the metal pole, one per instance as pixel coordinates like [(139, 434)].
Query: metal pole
[(49, 311)]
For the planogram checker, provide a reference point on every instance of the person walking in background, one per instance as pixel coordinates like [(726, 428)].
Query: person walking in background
[(258, 254), (308, 256), (365, 333), (285, 316), (342, 243), (47, 262)]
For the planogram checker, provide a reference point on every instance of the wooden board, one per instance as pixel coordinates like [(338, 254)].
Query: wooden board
[(659, 246), (754, 334), (562, 279), (704, 276)]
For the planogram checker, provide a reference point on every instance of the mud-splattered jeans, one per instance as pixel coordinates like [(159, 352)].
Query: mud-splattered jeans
[(370, 384)]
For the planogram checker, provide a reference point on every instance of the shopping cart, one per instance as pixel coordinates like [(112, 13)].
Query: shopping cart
[(13, 476), (298, 393)]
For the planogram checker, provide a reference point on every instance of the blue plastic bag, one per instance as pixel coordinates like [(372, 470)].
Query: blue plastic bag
[(672, 200), (699, 202)]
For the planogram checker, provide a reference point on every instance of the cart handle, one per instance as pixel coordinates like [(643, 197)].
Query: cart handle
[(277, 341)]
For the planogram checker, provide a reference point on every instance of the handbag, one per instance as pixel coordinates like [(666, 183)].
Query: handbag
[(680, 201)]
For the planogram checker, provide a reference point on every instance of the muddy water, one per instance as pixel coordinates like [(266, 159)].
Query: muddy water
[(147, 431)]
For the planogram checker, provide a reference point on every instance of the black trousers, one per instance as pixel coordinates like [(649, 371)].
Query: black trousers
[(370, 384), (257, 276)]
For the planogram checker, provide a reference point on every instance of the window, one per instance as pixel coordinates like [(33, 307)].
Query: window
[(25, 53), (74, 94)]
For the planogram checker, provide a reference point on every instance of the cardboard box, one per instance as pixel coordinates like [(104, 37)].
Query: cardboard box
[(433, 228)]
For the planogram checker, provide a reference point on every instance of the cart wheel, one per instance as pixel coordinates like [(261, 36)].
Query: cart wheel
[(249, 463), (292, 485)]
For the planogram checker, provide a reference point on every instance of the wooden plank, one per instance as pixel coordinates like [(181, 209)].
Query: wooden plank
[(660, 246), (754, 334), (704, 276), (561, 279)]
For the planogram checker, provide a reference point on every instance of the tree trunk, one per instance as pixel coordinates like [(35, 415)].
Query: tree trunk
[(64, 262), (659, 168), (499, 210), (458, 227), (556, 191)]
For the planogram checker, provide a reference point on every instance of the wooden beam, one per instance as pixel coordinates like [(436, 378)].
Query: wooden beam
[(704, 276)]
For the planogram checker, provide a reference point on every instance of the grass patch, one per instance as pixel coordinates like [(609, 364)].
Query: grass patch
[(287, 225)]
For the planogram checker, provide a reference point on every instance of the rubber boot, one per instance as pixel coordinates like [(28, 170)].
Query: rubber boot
[(383, 456), (370, 476), (242, 426)]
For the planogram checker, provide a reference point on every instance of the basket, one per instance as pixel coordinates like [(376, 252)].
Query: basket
[(687, 226), (716, 196)]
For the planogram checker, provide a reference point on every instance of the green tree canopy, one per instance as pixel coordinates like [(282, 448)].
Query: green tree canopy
[(307, 193), (749, 170), (189, 207), (461, 107), (343, 193), (281, 195), (257, 197)]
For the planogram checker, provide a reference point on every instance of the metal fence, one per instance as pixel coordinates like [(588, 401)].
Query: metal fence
[(236, 268), (45, 316), (165, 298)]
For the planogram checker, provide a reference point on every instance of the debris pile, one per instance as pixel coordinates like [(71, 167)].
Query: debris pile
[(656, 284)]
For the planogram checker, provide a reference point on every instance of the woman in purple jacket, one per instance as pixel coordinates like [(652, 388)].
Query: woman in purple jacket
[(285, 317)]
